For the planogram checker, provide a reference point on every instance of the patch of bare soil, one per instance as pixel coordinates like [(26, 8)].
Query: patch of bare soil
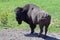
[(18, 34)]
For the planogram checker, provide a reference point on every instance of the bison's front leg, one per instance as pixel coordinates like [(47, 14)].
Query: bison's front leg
[(32, 26)]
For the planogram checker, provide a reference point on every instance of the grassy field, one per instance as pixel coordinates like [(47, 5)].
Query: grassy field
[(7, 15)]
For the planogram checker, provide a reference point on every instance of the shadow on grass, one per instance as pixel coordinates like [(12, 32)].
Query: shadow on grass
[(42, 36)]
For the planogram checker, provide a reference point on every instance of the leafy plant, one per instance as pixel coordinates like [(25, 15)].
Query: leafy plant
[(4, 20)]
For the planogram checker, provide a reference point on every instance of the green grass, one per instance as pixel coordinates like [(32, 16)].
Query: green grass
[(52, 6)]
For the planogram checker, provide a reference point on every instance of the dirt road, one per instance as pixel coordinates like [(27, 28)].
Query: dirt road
[(18, 34)]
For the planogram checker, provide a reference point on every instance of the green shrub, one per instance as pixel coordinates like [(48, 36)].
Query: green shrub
[(4, 20)]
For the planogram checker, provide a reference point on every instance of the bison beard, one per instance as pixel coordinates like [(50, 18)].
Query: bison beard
[(33, 15)]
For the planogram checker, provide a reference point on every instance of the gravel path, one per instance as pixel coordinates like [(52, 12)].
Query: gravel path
[(18, 34)]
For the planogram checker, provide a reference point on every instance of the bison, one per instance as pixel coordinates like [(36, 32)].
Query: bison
[(33, 15)]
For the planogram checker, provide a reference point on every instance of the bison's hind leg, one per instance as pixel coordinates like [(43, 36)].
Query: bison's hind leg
[(47, 23), (41, 30), (46, 29)]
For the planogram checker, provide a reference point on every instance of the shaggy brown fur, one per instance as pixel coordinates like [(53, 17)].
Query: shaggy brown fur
[(33, 15)]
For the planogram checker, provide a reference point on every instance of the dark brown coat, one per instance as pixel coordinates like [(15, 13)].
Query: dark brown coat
[(33, 15)]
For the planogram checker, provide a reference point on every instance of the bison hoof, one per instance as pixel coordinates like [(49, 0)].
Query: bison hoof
[(39, 35), (45, 37), (42, 36), (31, 33)]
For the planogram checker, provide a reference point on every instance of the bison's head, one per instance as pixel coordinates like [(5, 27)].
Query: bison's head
[(19, 14)]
